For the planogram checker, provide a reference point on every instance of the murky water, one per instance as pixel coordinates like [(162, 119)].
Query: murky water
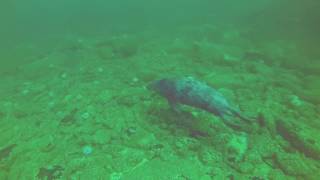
[(74, 102)]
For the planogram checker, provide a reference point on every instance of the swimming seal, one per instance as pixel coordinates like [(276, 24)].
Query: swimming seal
[(189, 91)]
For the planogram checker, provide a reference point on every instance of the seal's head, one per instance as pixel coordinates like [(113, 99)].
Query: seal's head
[(152, 86), (164, 87), (156, 85)]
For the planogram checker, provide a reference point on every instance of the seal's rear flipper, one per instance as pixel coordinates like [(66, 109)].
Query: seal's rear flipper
[(236, 125)]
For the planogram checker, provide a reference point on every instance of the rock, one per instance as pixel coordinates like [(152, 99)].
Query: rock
[(294, 165), (115, 176), (52, 172), (301, 137), (208, 157), (85, 115), (237, 147), (87, 150), (295, 101), (6, 151), (243, 167), (147, 141)]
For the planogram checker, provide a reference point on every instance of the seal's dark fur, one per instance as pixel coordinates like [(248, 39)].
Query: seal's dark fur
[(189, 91)]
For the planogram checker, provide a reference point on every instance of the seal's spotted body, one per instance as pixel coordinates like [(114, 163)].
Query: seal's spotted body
[(192, 92)]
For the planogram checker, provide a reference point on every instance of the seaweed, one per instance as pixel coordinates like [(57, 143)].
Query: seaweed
[(5, 152), (50, 173)]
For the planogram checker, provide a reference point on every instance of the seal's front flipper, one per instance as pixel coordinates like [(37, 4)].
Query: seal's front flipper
[(175, 106), (245, 119), (241, 117), (230, 122), (235, 124)]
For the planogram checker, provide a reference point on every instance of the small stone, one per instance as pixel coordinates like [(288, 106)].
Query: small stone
[(131, 130), (96, 82), (64, 75), (195, 113), (85, 115), (51, 94), (100, 69), (25, 92), (135, 79), (179, 144), (228, 57), (115, 176), (147, 140), (87, 150), (237, 147), (295, 101)]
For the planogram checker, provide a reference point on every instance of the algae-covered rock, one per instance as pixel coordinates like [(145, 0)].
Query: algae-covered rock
[(304, 139), (237, 147), (209, 157), (296, 166)]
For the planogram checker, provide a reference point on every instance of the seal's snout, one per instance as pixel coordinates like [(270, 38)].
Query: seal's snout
[(156, 85), (151, 86)]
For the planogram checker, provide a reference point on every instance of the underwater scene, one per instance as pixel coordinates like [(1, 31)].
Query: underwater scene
[(160, 90)]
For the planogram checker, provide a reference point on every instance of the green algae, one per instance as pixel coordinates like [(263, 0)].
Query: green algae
[(85, 85)]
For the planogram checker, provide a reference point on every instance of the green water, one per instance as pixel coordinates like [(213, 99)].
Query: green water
[(74, 102)]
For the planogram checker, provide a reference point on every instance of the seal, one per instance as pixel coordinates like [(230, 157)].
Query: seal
[(192, 92)]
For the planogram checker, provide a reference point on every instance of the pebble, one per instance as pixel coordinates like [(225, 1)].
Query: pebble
[(64, 76), (100, 70), (295, 100), (85, 115), (87, 150)]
